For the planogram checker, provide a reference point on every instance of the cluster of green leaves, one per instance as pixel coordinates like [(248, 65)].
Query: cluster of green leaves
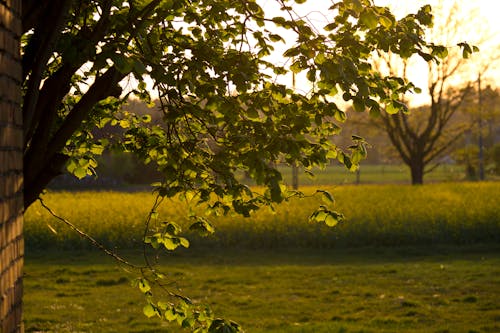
[(221, 114), (221, 110), (184, 312), (168, 237)]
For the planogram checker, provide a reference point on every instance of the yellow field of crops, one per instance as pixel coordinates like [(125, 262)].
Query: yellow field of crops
[(376, 215)]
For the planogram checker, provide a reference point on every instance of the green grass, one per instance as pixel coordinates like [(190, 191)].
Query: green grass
[(438, 289), (407, 259), (376, 215), (373, 174)]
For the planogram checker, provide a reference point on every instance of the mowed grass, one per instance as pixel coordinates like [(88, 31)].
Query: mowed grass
[(376, 215), (438, 289), (406, 259), (375, 174)]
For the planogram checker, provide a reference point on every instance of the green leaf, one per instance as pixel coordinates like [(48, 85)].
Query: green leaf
[(290, 53), (163, 305), (427, 57), (324, 215), (332, 154), (170, 243), (369, 18), (386, 22), (124, 123), (466, 50), (123, 64), (326, 196), (356, 156), (80, 172), (358, 104), (355, 5), (276, 193), (172, 228), (340, 116), (311, 74), (298, 66), (223, 326), (188, 322), (144, 286), (153, 241), (170, 314), (203, 227), (184, 242), (440, 51), (276, 38), (357, 138), (139, 67), (424, 15), (392, 108), (332, 219), (150, 311)]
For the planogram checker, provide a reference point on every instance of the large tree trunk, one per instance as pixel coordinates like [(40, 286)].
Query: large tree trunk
[(11, 170), (417, 171), (34, 188)]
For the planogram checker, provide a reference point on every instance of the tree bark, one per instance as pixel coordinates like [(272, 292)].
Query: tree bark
[(417, 166)]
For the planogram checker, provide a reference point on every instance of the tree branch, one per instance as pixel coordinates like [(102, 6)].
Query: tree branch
[(104, 86), (34, 62), (92, 240)]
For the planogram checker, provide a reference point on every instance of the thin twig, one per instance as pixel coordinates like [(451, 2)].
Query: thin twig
[(89, 238)]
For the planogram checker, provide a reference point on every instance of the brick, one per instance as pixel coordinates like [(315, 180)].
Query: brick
[(10, 161), (10, 113), (9, 66), (12, 186), (11, 181)]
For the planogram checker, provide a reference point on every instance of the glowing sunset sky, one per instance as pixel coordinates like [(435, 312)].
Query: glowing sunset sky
[(479, 25)]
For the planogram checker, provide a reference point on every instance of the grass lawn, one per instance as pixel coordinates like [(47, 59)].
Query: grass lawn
[(373, 174), (438, 289)]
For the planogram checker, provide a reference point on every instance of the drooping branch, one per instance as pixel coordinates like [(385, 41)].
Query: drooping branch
[(91, 239)]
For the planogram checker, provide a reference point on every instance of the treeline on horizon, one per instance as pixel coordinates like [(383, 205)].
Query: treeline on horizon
[(118, 168)]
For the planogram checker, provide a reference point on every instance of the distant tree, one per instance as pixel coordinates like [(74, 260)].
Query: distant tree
[(427, 132), (222, 109), (482, 111)]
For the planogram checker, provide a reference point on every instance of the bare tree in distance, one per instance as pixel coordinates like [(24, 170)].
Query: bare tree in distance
[(425, 134)]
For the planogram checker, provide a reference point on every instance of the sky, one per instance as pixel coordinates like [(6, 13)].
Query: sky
[(478, 26)]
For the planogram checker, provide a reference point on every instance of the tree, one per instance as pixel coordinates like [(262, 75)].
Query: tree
[(480, 110), (221, 106), (425, 134)]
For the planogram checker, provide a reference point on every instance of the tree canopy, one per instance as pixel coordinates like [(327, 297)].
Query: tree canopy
[(222, 107), (209, 61)]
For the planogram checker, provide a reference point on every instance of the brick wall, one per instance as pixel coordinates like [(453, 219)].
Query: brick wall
[(11, 177)]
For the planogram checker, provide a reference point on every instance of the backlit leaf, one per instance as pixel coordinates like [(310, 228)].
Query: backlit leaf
[(149, 311), (369, 18), (326, 196)]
